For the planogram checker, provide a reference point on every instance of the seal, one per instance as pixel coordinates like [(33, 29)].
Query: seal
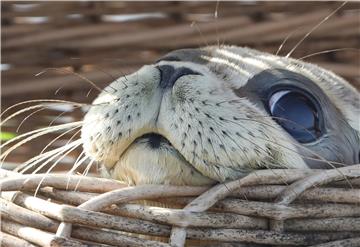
[(207, 115)]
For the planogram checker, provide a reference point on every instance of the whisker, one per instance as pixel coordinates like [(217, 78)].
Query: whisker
[(74, 73), (194, 24), (58, 137), (58, 90), (46, 130), (34, 134), (328, 51), (27, 117), (216, 23), (86, 171), (286, 39), (21, 111), (76, 165), (69, 148), (74, 145), (78, 162), (314, 28), (24, 167), (63, 152), (69, 144), (61, 114), (42, 101), (293, 142), (39, 158), (88, 93), (320, 158)]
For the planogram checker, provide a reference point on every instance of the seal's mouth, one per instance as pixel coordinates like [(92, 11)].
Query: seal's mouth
[(154, 140), (152, 159)]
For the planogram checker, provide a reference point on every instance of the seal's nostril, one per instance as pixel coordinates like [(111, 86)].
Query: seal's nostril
[(169, 74)]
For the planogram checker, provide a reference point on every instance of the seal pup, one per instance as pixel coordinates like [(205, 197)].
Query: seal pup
[(207, 115)]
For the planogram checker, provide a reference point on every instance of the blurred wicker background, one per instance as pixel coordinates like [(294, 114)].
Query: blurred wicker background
[(104, 40)]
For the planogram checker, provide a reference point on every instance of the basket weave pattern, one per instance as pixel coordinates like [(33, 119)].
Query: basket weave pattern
[(267, 207)]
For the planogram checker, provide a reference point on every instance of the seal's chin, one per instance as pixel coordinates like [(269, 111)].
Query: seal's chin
[(151, 159)]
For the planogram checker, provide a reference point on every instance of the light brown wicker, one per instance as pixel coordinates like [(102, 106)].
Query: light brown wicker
[(265, 208)]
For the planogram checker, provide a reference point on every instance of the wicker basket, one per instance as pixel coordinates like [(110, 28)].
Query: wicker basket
[(265, 208)]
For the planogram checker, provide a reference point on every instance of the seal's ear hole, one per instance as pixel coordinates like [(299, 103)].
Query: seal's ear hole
[(297, 113)]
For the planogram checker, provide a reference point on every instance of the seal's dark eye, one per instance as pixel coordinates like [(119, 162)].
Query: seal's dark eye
[(297, 114)]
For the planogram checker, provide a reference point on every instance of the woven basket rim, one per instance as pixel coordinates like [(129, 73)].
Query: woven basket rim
[(235, 217)]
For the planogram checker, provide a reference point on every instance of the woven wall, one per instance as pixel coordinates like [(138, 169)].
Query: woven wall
[(104, 40)]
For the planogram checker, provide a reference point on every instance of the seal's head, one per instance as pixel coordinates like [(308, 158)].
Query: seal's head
[(198, 116)]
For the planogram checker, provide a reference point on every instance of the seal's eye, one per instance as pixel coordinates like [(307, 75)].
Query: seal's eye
[(297, 114)]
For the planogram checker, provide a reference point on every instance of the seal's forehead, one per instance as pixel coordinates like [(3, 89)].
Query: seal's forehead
[(186, 55)]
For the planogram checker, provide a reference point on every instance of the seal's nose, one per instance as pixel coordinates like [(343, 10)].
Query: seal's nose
[(169, 74)]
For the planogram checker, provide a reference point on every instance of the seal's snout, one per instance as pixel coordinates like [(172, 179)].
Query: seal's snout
[(169, 74)]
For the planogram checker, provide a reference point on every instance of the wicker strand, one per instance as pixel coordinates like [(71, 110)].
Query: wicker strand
[(38, 237), (319, 178), (249, 208), (323, 177), (350, 242), (12, 241), (259, 192), (61, 181)]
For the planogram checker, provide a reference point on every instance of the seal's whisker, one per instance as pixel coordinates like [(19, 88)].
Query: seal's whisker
[(42, 101), (101, 69), (58, 137), (216, 12), (74, 73), (43, 155), (33, 135), (194, 24), (41, 106), (271, 126), (314, 28), (46, 129), (74, 145), (66, 148), (320, 158), (28, 116), (224, 149), (21, 111), (268, 166), (275, 164), (60, 115), (39, 158), (328, 51), (297, 144), (239, 146), (286, 39), (84, 174), (63, 148), (79, 161), (292, 142)]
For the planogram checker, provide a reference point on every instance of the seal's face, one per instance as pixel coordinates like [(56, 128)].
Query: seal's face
[(198, 116)]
